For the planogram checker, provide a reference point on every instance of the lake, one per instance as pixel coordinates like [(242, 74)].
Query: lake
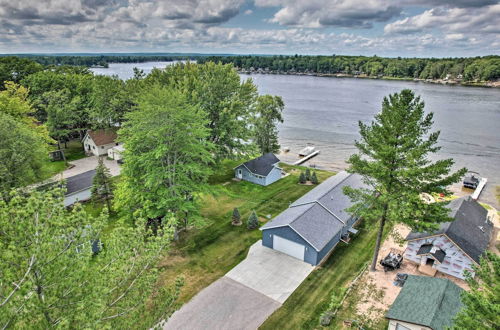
[(325, 111)]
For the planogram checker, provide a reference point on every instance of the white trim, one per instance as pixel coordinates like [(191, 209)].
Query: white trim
[(288, 225)]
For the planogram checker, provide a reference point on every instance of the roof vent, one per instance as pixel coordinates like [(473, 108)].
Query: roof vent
[(481, 228)]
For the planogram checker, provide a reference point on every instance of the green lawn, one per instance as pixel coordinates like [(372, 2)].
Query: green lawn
[(304, 307), (73, 151), (206, 253)]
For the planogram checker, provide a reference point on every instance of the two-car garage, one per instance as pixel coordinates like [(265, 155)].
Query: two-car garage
[(286, 246)]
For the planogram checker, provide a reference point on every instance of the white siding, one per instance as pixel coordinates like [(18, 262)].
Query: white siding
[(400, 325), (455, 262)]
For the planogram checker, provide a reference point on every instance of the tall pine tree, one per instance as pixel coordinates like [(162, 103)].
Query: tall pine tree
[(393, 160), (102, 189)]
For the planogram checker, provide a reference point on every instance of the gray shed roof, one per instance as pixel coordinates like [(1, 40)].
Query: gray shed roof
[(320, 214), (470, 230), (79, 182), (262, 165)]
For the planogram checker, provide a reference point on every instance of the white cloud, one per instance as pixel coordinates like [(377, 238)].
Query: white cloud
[(341, 13), (248, 12)]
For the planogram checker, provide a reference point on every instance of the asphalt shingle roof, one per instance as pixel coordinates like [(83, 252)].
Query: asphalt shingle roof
[(262, 165), (103, 136), (79, 182), (317, 215), (427, 301), (470, 229)]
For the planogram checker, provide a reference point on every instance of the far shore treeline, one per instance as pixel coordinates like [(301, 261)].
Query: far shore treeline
[(463, 69)]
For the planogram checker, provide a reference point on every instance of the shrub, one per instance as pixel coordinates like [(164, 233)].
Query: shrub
[(302, 178), (308, 174), (236, 219), (314, 178), (253, 221)]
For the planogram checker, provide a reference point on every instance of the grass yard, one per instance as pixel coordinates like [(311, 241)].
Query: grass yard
[(304, 307), (73, 151), (205, 253)]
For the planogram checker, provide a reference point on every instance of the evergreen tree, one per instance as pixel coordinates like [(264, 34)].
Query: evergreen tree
[(394, 160), (482, 303), (102, 189), (236, 219), (253, 221), (314, 178), (302, 178), (308, 174)]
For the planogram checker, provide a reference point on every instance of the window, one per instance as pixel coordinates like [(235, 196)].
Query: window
[(399, 326)]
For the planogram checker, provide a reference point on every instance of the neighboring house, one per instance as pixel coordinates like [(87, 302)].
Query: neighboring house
[(425, 303), (263, 170), (78, 187), (98, 142), (313, 225), (116, 152), (456, 245)]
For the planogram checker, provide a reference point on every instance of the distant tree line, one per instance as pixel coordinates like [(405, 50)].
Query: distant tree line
[(102, 60), (469, 69)]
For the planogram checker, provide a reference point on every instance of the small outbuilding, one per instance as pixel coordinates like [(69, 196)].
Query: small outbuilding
[(425, 303), (116, 152), (457, 245), (313, 225), (262, 170), (79, 187), (98, 142)]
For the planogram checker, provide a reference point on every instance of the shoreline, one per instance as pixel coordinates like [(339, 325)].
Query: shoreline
[(450, 82)]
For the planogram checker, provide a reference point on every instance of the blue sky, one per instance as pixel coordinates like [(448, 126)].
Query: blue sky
[(422, 28)]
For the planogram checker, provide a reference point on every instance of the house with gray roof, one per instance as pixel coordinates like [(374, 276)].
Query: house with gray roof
[(425, 303), (78, 187), (262, 170), (313, 225), (456, 245)]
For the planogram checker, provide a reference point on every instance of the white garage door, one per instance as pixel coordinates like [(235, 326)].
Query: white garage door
[(286, 246)]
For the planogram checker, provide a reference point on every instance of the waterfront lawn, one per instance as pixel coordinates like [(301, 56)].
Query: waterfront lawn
[(205, 253), (303, 308)]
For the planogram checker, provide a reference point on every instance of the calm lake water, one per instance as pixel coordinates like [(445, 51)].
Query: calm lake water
[(325, 111)]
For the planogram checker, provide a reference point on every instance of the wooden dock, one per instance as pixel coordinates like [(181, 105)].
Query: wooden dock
[(479, 189), (306, 158)]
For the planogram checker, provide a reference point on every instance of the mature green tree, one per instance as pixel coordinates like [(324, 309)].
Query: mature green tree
[(268, 115), (14, 103), (52, 276), (102, 187), (167, 155), (14, 69), (62, 115), (253, 221), (110, 100), (482, 302), (217, 90), (22, 154), (393, 159)]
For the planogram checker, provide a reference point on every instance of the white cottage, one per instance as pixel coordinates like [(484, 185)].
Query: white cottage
[(456, 245), (98, 142)]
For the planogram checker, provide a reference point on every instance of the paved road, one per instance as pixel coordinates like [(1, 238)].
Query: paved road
[(246, 296), (87, 164)]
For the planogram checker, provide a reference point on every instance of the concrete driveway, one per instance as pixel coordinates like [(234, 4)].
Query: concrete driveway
[(87, 164), (270, 272), (246, 296)]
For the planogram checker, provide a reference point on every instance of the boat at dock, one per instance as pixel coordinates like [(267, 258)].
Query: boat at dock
[(307, 151)]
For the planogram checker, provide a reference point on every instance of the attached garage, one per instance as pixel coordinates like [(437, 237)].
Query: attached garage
[(289, 247), (313, 225)]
